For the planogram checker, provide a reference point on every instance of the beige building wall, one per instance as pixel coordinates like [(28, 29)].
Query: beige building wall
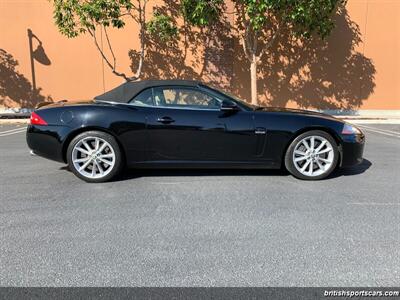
[(356, 68)]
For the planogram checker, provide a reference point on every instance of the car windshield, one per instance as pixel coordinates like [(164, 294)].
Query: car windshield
[(241, 102)]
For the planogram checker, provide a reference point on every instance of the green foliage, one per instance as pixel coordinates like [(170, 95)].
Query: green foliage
[(74, 17), (162, 27), (201, 12), (311, 16), (303, 16)]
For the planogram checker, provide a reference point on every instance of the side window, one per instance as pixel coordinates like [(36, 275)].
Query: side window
[(145, 98), (184, 97)]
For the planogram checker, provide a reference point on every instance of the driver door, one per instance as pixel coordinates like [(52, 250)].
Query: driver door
[(186, 124)]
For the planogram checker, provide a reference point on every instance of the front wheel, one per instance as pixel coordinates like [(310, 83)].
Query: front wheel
[(94, 156), (312, 155)]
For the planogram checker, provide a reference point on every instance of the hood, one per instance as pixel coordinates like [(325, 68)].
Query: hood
[(296, 112)]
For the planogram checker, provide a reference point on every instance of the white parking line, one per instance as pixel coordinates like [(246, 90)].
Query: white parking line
[(12, 132), (384, 132), (374, 204), (380, 129)]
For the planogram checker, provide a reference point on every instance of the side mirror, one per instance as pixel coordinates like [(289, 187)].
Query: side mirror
[(228, 106)]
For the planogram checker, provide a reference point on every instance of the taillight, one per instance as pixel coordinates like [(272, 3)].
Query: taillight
[(37, 120)]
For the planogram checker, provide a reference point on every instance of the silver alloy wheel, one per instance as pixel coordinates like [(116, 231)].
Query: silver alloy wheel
[(93, 157), (313, 156)]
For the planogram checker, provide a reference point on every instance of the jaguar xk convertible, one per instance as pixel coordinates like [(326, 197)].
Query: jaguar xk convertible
[(186, 124)]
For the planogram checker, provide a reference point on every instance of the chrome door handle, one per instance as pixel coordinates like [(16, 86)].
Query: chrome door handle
[(165, 120)]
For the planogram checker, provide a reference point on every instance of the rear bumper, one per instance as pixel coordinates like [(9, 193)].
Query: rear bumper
[(352, 150), (46, 141)]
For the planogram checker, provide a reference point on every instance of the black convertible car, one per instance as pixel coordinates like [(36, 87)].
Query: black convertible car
[(186, 124)]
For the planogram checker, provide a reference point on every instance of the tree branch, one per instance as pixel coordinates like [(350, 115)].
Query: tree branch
[(109, 46), (269, 44), (93, 34), (142, 23), (247, 54), (245, 38), (255, 41), (112, 65)]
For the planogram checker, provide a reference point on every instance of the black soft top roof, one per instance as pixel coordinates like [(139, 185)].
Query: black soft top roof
[(126, 91)]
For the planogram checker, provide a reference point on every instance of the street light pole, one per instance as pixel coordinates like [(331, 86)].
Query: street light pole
[(30, 36)]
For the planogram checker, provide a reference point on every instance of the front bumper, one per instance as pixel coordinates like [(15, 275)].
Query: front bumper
[(352, 149)]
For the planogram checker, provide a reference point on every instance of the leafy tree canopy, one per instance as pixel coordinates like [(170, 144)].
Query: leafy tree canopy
[(260, 22), (303, 16), (162, 26), (201, 12), (74, 17)]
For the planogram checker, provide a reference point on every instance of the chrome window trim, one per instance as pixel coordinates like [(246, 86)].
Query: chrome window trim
[(180, 108), (155, 106), (110, 102)]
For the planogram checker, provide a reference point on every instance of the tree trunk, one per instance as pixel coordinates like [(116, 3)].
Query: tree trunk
[(253, 76)]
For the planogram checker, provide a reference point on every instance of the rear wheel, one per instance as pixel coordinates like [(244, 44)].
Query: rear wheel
[(312, 155), (94, 156)]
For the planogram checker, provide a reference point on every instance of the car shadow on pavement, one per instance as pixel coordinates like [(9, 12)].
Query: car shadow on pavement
[(355, 170), (132, 173), (128, 174)]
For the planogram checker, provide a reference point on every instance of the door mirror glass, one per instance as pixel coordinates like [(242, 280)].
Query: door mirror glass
[(229, 106)]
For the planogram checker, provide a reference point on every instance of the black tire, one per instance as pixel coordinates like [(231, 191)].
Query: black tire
[(289, 156), (115, 169)]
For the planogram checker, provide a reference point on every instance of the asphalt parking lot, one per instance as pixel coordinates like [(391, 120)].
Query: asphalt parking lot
[(200, 228)]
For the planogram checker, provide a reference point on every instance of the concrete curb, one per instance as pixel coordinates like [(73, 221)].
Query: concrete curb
[(15, 116), (364, 113), (13, 121)]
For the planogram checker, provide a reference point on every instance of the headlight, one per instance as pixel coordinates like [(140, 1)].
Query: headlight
[(350, 129)]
